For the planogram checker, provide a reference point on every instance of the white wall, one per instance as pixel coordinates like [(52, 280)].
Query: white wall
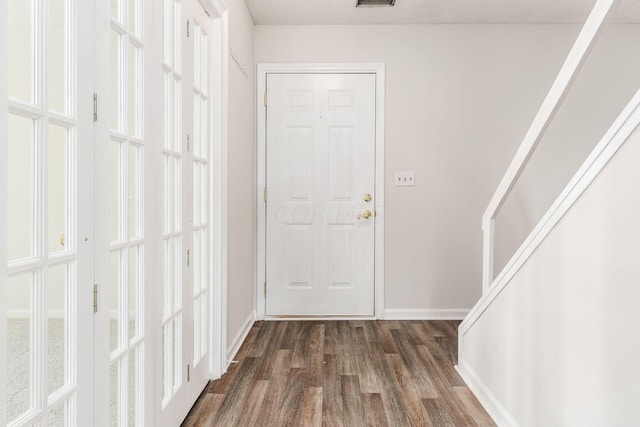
[(241, 172), (459, 100), (560, 345)]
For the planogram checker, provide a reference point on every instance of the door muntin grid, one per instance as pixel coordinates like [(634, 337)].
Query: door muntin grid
[(201, 190), (127, 235), (172, 311), (42, 244)]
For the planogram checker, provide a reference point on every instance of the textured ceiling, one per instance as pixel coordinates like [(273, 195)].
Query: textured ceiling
[(325, 12)]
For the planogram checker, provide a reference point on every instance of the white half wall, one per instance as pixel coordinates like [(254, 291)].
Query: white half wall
[(459, 99), (241, 171), (559, 345)]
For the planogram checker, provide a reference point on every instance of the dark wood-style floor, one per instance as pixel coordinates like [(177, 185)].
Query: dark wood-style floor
[(343, 373)]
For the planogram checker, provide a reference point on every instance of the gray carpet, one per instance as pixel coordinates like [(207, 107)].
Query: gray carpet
[(19, 362), (18, 372)]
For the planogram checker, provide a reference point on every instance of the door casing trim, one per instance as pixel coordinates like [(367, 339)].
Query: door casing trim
[(261, 140)]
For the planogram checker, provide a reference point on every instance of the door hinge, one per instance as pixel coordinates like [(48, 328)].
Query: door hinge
[(95, 297), (264, 194), (265, 289), (95, 107), (188, 143), (188, 258), (188, 373), (187, 28), (265, 99)]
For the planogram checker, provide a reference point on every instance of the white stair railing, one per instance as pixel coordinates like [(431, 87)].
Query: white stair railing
[(577, 57)]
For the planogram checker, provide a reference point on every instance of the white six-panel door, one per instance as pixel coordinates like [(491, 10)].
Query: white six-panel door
[(320, 194)]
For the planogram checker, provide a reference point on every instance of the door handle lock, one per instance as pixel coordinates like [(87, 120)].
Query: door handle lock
[(366, 215), (367, 197)]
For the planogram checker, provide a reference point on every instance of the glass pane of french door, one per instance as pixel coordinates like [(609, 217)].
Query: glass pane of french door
[(126, 226), (49, 248)]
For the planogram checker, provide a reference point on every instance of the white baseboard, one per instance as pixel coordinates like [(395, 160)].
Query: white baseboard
[(495, 410), (320, 318), (19, 314), (27, 314), (240, 337), (426, 314)]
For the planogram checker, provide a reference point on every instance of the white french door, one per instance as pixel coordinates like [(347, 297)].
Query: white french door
[(198, 73), (186, 235), (123, 244), (47, 220), (105, 219), (320, 178)]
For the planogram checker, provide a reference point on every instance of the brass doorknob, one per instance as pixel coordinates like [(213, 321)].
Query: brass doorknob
[(365, 215), (367, 197)]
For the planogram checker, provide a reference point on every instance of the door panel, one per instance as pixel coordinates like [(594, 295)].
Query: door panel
[(320, 166), (128, 238), (186, 235), (173, 395), (198, 50), (48, 234)]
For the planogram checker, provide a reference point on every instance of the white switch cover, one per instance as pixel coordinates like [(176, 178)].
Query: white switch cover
[(405, 179)]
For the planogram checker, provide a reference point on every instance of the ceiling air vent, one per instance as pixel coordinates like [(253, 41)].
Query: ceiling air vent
[(375, 3)]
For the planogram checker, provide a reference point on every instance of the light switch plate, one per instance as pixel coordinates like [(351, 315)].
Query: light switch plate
[(405, 179)]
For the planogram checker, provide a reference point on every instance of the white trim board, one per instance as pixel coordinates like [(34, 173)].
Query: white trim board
[(616, 136), (315, 68), (425, 314), (488, 401), (238, 340), (4, 49), (28, 314), (314, 318)]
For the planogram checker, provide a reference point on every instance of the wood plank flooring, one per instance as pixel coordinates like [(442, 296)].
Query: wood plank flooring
[(343, 373)]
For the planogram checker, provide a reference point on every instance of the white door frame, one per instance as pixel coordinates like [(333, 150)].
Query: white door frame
[(4, 152), (319, 68), (219, 51)]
